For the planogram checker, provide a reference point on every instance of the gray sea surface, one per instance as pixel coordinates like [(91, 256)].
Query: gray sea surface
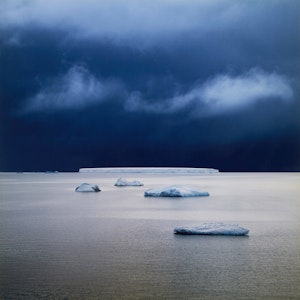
[(56, 243)]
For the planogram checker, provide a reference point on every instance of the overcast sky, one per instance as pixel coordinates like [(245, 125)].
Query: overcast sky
[(210, 83)]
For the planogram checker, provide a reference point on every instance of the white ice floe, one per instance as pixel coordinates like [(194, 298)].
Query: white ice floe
[(157, 170), (124, 182), (174, 191), (86, 187), (212, 229)]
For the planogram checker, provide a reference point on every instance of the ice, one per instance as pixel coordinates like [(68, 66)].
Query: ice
[(174, 191), (86, 187), (157, 170), (124, 182), (212, 229)]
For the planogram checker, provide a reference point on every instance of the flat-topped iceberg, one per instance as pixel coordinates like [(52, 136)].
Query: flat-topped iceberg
[(174, 191), (124, 182), (212, 229), (86, 187), (156, 170)]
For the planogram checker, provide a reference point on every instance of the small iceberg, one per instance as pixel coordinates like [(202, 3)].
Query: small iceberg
[(174, 191), (212, 229), (124, 182), (86, 187)]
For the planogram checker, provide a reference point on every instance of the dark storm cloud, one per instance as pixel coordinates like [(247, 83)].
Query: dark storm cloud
[(144, 23), (198, 83), (122, 20)]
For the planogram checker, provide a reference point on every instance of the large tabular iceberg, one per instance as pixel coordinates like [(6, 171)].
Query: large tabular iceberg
[(174, 191), (157, 170), (124, 182), (86, 187), (212, 229)]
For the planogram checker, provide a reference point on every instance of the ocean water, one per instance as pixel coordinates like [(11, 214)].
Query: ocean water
[(117, 244)]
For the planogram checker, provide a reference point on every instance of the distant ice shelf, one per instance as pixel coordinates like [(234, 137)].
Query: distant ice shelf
[(175, 191), (217, 228), (156, 170)]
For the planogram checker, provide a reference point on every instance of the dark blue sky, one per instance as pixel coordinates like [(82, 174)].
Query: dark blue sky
[(145, 83)]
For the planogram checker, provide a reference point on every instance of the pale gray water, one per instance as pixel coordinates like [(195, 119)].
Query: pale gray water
[(116, 244)]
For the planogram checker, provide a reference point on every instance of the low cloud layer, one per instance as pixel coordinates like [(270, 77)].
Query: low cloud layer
[(78, 88), (221, 94)]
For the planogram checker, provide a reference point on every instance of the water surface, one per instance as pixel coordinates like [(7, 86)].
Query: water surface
[(117, 244)]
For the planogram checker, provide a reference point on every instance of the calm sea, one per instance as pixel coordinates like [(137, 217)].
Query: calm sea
[(117, 244)]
